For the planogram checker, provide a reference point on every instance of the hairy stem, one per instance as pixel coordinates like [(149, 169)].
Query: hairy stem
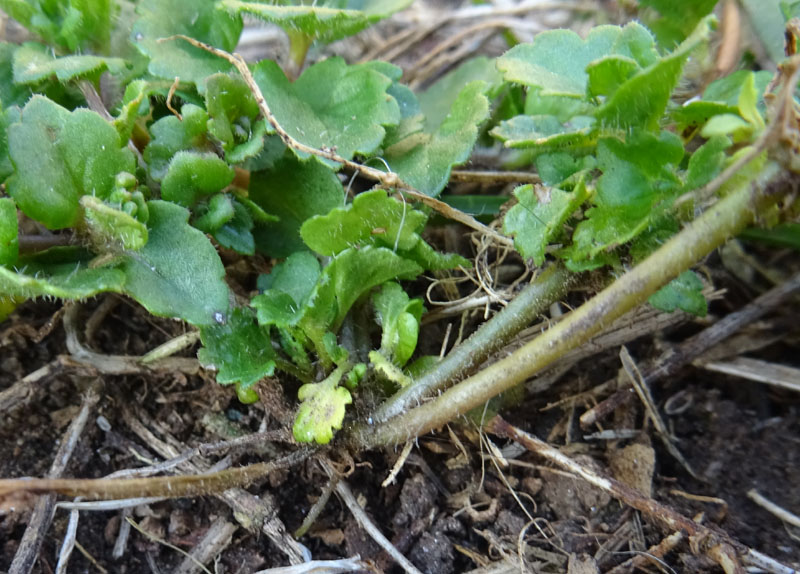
[(723, 220), (462, 361)]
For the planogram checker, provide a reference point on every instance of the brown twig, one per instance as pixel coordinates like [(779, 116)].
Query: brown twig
[(717, 545), (673, 360), (43, 512)]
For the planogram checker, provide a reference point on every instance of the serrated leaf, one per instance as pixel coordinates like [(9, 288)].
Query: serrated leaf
[(372, 218), (111, 229), (351, 274), (637, 184), (192, 176), (134, 104), (673, 20), (237, 233), (424, 160), (176, 58), (331, 105), (684, 293), (240, 350), (286, 290), (607, 74), (547, 134), (322, 409), (10, 93), (398, 316), (58, 157), (178, 273), (34, 63), (233, 114), (7, 118), (706, 162), (73, 24), (171, 135), (539, 217), (641, 100), (321, 22), (435, 102), (295, 276), (556, 60), (9, 231), (294, 191)]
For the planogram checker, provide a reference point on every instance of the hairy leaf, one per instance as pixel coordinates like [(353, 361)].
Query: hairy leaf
[(294, 191), (171, 135), (9, 231), (58, 157), (331, 105), (178, 273), (176, 58), (10, 93), (539, 217), (233, 114), (351, 274), (111, 229), (684, 293), (239, 349), (398, 316), (673, 20), (547, 134), (320, 22), (424, 160), (34, 63), (191, 176), (64, 281)]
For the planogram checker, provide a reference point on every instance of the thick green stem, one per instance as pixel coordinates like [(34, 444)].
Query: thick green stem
[(723, 220), (462, 361)]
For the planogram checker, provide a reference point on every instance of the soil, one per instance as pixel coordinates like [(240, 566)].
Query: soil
[(452, 508)]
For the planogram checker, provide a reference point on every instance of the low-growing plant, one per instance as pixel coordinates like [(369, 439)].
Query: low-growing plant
[(138, 148)]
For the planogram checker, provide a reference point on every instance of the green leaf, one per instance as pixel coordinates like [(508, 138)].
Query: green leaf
[(177, 58), (556, 60), (286, 290), (706, 162), (34, 63), (7, 118), (673, 20), (556, 168), (135, 103), (73, 24), (331, 105), (539, 217), (424, 160), (9, 231), (233, 113), (239, 349), (351, 274), (10, 93), (320, 22), (237, 233), (435, 102), (64, 281), (641, 100), (684, 293), (294, 191), (171, 135), (111, 229), (399, 317), (322, 409), (547, 134), (178, 273), (783, 235), (637, 184), (212, 215), (372, 219), (192, 176), (60, 156)]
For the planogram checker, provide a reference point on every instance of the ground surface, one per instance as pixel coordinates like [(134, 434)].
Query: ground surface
[(453, 507)]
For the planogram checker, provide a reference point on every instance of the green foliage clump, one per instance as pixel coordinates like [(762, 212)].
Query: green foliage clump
[(187, 162)]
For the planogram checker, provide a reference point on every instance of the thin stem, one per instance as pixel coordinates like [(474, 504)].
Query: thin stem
[(723, 220), (462, 361)]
